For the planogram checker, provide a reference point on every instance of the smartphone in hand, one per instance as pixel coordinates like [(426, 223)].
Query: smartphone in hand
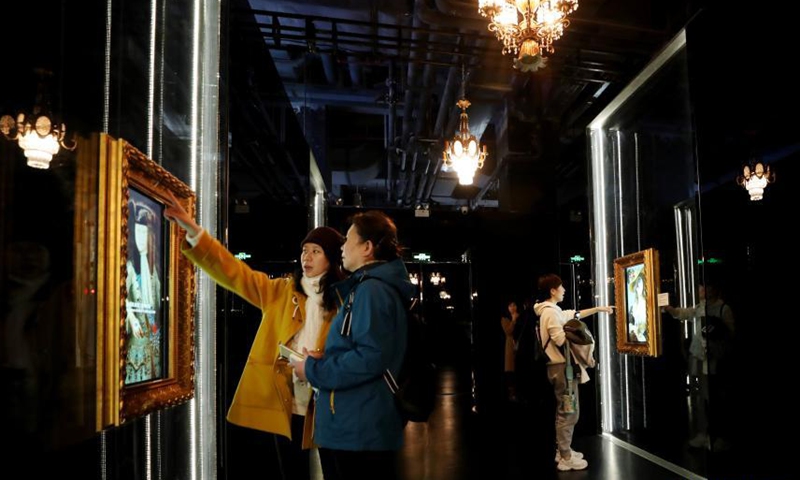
[(289, 354)]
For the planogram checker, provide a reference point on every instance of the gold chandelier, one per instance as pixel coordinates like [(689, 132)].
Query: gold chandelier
[(527, 28), (464, 153)]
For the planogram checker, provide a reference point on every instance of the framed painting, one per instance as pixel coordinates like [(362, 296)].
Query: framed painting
[(145, 289), (636, 281)]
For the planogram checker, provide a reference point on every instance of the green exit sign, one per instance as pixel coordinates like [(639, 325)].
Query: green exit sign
[(422, 257), (576, 259), (710, 260), (243, 256)]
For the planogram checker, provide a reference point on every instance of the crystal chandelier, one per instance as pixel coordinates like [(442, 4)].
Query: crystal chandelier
[(464, 153), (527, 28)]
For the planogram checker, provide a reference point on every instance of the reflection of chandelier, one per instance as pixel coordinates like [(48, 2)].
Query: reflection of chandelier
[(436, 279), (413, 278), (38, 137), (464, 154), (527, 27), (36, 134), (754, 178)]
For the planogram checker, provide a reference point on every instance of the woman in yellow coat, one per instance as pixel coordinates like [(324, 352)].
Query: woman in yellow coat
[(297, 312)]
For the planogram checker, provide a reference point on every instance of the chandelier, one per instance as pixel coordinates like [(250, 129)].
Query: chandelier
[(754, 178), (38, 137), (464, 153), (527, 28)]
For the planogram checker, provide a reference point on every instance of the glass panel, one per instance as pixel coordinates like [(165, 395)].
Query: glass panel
[(645, 170)]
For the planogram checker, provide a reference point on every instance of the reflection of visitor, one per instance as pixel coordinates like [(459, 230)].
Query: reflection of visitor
[(709, 366), (637, 308), (143, 304), (26, 289)]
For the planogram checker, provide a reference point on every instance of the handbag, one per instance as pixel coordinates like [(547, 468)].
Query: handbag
[(577, 332)]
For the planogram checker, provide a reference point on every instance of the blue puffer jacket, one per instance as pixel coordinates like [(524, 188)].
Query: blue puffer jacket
[(355, 409)]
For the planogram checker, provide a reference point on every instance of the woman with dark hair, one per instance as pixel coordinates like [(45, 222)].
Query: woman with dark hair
[(509, 321), (143, 302), (296, 312), (551, 331), (358, 427)]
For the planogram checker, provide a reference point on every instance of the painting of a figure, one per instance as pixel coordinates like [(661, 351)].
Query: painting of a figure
[(145, 357), (146, 289), (636, 281), (637, 303)]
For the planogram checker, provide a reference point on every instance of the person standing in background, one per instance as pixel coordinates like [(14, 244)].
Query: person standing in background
[(551, 328), (296, 312), (509, 324)]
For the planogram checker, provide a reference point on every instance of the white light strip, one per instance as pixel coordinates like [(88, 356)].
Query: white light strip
[(195, 126), (676, 44), (148, 447), (159, 420), (682, 472), (616, 156), (151, 78), (107, 66), (597, 138), (103, 455)]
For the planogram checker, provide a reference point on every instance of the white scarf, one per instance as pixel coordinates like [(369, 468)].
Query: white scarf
[(308, 336)]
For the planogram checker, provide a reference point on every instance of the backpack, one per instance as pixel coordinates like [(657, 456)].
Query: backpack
[(530, 354), (414, 388)]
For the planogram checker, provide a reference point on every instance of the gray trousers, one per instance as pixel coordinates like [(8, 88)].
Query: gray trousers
[(565, 422)]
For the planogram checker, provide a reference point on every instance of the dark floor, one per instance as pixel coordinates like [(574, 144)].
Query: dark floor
[(512, 441)]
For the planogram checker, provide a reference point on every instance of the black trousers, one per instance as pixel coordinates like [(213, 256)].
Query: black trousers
[(294, 461), (358, 465)]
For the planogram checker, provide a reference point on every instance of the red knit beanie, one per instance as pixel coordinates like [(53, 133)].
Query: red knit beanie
[(330, 240)]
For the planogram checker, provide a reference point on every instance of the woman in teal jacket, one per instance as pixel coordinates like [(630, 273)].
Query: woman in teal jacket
[(358, 428)]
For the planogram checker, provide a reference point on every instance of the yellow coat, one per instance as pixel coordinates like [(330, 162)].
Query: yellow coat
[(263, 399)]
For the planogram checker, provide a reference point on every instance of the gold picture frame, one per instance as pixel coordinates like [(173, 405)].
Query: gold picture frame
[(146, 288), (636, 282)]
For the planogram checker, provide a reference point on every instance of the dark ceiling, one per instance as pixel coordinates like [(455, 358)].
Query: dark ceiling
[(370, 86)]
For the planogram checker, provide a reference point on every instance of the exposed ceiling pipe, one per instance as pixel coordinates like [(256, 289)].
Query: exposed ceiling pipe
[(406, 142), (434, 174), (456, 8), (329, 67), (424, 177), (391, 98), (355, 71), (411, 183), (434, 17), (447, 99)]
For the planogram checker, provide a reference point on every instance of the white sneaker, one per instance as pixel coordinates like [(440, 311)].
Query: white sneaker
[(700, 440), (573, 463), (575, 454)]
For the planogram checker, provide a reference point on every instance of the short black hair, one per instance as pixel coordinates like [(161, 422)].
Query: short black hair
[(546, 283)]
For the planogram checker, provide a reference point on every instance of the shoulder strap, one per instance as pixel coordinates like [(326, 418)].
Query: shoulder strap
[(390, 380)]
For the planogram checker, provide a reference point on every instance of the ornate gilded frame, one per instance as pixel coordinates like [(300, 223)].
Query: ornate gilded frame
[(631, 271), (126, 172)]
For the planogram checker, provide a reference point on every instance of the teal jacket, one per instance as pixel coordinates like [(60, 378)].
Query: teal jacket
[(355, 409)]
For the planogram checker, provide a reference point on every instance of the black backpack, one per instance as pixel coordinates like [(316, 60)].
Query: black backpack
[(414, 388), (530, 354)]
